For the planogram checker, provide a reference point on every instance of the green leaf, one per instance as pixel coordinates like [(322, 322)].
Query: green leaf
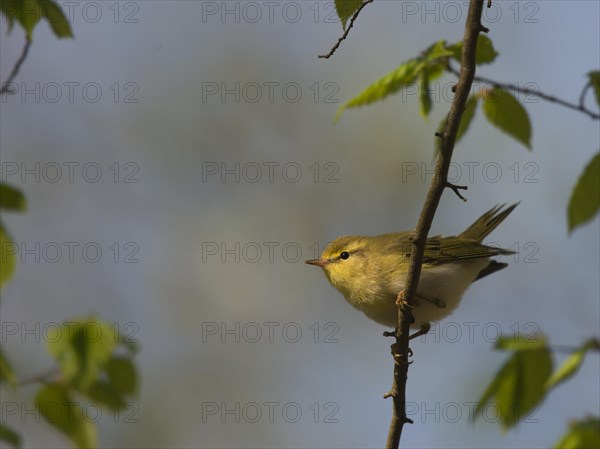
[(465, 122), (585, 199), (106, 394), (10, 436), (506, 113), (484, 54), (521, 342), (424, 95), (6, 372), (346, 8), (7, 256), (436, 51), (582, 434), (518, 386), (403, 76), (595, 83), (65, 414), (122, 374), (467, 117), (11, 198), (82, 348), (382, 88), (29, 13), (571, 365)]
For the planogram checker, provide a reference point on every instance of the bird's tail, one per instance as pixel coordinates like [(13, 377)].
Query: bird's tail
[(487, 222)]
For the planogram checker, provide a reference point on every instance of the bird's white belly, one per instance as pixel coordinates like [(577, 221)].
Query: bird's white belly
[(446, 283)]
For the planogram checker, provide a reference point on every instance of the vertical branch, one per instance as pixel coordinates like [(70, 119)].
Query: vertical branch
[(439, 182)]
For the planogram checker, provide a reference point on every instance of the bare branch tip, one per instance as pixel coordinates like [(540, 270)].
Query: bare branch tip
[(346, 31), (456, 189), (6, 86)]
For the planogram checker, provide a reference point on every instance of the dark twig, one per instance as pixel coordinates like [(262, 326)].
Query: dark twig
[(438, 185), (528, 91), (345, 35), (592, 344), (6, 84), (455, 189), (582, 96)]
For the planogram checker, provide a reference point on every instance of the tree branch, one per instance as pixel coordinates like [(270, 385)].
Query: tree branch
[(440, 179), (528, 91), (6, 84), (345, 35)]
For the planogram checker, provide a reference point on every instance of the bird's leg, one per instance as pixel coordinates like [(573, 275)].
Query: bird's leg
[(398, 357), (401, 299), (425, 327), (438, 302)]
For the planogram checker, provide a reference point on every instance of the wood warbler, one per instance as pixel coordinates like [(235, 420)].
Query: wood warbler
[(370, 271)]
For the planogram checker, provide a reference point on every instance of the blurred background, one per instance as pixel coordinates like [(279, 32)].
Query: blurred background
[(206, 168)]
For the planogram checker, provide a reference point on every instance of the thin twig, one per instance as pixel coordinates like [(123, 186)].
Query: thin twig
[(526, 90), (6, 85), (438, 184), (456, 189), (345, 35), (593, 345), (582, 96)]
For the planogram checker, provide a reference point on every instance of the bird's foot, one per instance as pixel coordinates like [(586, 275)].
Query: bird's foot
[(437, 302), (398, 357), (401, 299), (425, 327)]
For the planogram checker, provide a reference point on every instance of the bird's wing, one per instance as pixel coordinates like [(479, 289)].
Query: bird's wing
[(440, 250)]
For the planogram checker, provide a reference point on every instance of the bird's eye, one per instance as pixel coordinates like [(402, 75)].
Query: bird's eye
[(344, 255)]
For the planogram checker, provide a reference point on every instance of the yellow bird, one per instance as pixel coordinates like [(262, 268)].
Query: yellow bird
[(370, 270)]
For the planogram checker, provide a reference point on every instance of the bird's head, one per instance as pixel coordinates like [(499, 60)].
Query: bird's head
[(345, 262)]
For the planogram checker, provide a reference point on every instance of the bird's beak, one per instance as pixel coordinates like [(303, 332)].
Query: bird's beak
[(318, 262)]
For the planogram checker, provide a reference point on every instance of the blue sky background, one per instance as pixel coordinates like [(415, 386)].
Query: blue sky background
[(177, 292)]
